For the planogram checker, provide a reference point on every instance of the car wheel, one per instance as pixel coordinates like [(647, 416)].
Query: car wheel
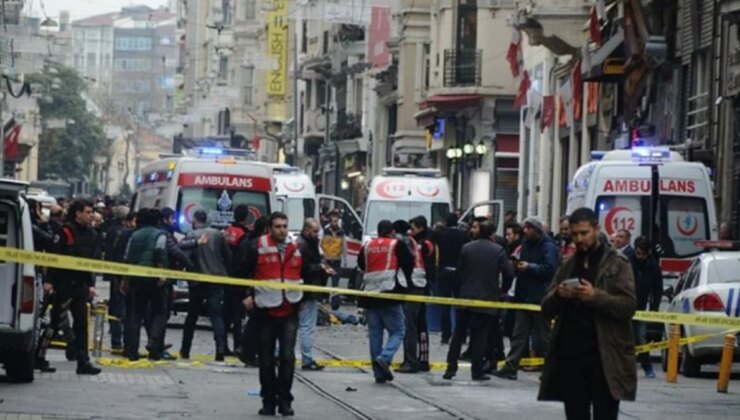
[(691, 364), (20, 367)]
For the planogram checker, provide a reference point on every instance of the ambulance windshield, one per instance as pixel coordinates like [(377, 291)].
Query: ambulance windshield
[(680, 221), (219, 203)]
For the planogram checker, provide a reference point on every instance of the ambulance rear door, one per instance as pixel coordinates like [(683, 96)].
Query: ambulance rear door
[(351, 225), (492, 210)]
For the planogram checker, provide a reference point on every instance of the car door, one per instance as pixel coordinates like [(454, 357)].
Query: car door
[(351, 224), (493, 210), (10, 231)]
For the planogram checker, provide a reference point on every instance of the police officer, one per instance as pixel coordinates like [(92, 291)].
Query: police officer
[(387, 264), (76, 288), (275, 258)]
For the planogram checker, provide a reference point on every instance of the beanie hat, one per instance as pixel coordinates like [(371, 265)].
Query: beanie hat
[(535, 223)]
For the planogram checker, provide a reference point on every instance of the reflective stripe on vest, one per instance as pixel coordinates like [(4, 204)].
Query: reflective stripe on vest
[(381, 264), (419, 275), (270, 267)]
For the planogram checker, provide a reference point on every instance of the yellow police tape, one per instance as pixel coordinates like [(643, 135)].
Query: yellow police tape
[(105, 267)]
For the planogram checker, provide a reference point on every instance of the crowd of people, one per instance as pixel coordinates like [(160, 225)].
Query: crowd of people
[(588, 285)]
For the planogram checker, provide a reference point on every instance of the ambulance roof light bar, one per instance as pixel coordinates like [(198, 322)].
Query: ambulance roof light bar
[(420, 172), (642, 155), (208, 152), (650, 153)]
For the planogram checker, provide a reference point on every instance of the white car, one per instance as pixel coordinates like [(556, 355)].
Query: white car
[(19, 287), (710, 287)]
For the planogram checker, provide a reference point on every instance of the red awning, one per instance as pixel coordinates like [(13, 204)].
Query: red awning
[(448, 101)]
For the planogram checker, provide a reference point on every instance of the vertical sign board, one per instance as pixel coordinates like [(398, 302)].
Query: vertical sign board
[(380, 32), (277, 47)]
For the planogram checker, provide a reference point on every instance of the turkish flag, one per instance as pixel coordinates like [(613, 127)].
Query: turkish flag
[(521, 96), (548, 111), (256, 142), (12, 134), (513, 53), (594, 27), (577, 89)]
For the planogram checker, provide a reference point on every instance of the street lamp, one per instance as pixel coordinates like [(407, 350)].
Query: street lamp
[(481, 149), (454, 153), (468, 149)]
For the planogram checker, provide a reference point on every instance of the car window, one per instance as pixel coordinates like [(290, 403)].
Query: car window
[(693, 278), (688, 277), (724, 271)]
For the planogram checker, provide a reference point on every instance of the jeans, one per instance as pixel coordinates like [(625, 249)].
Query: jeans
[(449, 286), (584, 386), (307, 328), (416, 340), (336, 300), (479, 325), (527, 322), (117, 308), (640, 330), (276, 387), (146, 303), (380, 319), (213, 294)]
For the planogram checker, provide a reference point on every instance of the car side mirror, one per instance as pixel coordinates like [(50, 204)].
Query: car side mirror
[(668, 292)]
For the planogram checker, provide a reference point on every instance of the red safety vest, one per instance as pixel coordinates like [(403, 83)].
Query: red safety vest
[(419, 275), (381, 265), (271, 267)]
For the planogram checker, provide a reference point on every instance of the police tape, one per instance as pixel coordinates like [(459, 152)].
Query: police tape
[(660, 345), (105, 267)]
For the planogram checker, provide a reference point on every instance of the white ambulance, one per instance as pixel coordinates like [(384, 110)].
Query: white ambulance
[(297, 198), (212, 181), (405, 193), (651, 192)]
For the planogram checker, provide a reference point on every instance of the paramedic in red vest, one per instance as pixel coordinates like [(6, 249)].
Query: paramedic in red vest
[(387, 263), (275, 258)]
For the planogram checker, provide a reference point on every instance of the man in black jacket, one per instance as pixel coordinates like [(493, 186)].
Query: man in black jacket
[(450, 242), (481, 262), (649, 289), (117, 302), (77, 239), (314, 272)]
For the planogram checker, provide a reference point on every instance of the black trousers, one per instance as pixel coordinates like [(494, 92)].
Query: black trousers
[(416, 340), (74, 298), (249, 339), (212, 295), (584, 388), (479, 326), (234, 313), (276, 376), (449, 286), (146, 302), (495, 345)]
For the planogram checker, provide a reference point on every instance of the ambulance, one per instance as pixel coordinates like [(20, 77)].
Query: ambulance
[(651, 192), (213, 180), (296, 197), (405, 193)]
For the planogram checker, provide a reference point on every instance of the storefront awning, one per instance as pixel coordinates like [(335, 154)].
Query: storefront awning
[(607, 63), (449, 101)]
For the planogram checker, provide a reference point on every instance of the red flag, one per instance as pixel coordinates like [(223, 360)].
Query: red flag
[(256, 142), (577, 89), (521, 96), (548, 111), (594, 28), (512, 54), (11, 142)]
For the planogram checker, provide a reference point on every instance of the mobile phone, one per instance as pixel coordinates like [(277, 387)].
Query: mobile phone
[(571, 283)]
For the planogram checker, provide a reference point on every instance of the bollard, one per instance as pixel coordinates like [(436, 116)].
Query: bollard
[(673, 342), (726, 363)]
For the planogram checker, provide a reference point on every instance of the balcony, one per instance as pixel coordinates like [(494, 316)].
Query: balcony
[(462, 67)]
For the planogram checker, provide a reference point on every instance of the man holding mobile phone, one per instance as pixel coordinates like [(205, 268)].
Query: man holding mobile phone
[(591, 362)]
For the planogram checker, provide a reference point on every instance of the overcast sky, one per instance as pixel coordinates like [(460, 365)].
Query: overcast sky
[(83, 8)]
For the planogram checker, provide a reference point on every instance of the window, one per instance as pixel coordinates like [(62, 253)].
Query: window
[(298, 210), (467, 24), (683, 221), (248, 85), (406, 210), (250, 9), (309, 94), (133, 44), (320, 93), (304, 36), (219, 204), (325, 44), (226, 11), (358, 97), (132, 64), (622, 212), (223, 68), (724, 271)]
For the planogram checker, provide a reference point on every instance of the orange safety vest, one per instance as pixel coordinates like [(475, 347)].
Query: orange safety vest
[(271, 267), (381, 266)]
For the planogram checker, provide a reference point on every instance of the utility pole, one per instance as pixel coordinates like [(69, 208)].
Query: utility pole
[(295, 96), (2, 135)]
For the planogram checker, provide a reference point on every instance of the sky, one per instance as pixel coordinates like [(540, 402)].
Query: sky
[(83, 8)]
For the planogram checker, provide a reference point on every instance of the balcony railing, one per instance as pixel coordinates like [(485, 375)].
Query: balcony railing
[(462, 67)]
